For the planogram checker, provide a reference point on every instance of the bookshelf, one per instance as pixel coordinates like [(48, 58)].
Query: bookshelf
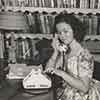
[(50, 10), (44, 11), (31, 36)]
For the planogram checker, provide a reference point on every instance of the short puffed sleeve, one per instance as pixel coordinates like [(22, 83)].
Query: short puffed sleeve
[(86, 64)]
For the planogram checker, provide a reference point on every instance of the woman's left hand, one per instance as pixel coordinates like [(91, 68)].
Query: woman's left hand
[(58, 72), (55, 71)]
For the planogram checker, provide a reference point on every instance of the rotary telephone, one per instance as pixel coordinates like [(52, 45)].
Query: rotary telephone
[(36, 79), (63, 47)]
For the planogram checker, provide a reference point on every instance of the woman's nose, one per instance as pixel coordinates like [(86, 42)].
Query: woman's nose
[(62, 33)]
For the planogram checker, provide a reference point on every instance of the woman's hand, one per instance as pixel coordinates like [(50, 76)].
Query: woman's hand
[(54, 71), (58, 46), (55, 43)]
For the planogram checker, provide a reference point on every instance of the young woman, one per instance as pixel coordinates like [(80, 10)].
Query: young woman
[(72, 62)]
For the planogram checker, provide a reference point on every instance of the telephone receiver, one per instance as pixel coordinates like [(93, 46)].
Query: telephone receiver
[(63, 47)]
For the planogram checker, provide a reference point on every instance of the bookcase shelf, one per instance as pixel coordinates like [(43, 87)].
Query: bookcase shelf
[(44, 21), (92, 37), (48, 36), (30, 35), (50, 10)]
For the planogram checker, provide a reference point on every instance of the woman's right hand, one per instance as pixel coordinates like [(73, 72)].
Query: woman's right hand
[(55, 43), (58, 46)]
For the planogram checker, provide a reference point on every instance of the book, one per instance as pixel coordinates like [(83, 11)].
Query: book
[(26, 46), (74, 3), (98, 23), (37, 22), (59, 3), (19, 50), (27, 49), (1, 45), (77, 3), (47, 24), (86, 22), (94, 25), (42, 21), (51, 23), (90, 23), (92, 3), (98, 3)]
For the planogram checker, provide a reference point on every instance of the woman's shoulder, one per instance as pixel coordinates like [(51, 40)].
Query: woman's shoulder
[(85, 54), (86, 59)]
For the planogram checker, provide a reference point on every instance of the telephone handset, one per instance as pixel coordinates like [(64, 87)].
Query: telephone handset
[(63, 47)]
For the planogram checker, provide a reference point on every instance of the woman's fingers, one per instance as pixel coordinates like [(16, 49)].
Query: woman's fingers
[(49, 70), (55, 43)]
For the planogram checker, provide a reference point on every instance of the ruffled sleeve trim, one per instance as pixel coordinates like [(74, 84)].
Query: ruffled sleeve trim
[(86, 64)]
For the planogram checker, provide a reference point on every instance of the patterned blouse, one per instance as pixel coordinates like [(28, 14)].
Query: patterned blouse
[(81, 65)]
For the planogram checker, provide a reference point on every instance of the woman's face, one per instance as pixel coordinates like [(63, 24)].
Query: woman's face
[(65, 32)]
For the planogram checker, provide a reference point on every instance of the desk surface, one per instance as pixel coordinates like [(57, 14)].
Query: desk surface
[(11, 91), (27, 96)]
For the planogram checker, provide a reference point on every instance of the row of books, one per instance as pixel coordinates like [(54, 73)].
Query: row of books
[(22, 49), (2, 48), (53, 3), (40, 22), (43, 22), (92, 22), (28, 50)]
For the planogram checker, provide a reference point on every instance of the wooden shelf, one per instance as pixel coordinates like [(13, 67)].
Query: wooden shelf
[(92, 37), (30, 35), (48, 36), (50, 10)]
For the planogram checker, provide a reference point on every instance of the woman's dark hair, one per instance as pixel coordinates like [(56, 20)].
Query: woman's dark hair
[(79, 28)]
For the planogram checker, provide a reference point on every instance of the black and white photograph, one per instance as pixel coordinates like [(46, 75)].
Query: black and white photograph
[(49, 49)]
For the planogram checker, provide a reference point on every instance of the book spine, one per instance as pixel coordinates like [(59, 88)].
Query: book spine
[(74, 3), (30, 50), (90, 24), (92, 2), (50, 19), (94, 25), (1, 45), (19, 50), (86, 22), (30, 3), (23, 48), (52, 3), (37, 22), (27, 49), (46, 24), (34, 51), (77, 3), (98, 3), (59, 4), (86, 4), (42, 21), (43, 3)]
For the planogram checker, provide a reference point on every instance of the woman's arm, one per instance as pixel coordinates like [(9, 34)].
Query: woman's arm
[(52, 61), (80, 84), (85, 70)]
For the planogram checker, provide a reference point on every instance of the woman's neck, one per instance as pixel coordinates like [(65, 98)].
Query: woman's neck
[(73, 44), (75, 48)]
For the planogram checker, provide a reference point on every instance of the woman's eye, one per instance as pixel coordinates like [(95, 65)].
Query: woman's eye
[(58, 32), (62, 32), (65, 31)]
